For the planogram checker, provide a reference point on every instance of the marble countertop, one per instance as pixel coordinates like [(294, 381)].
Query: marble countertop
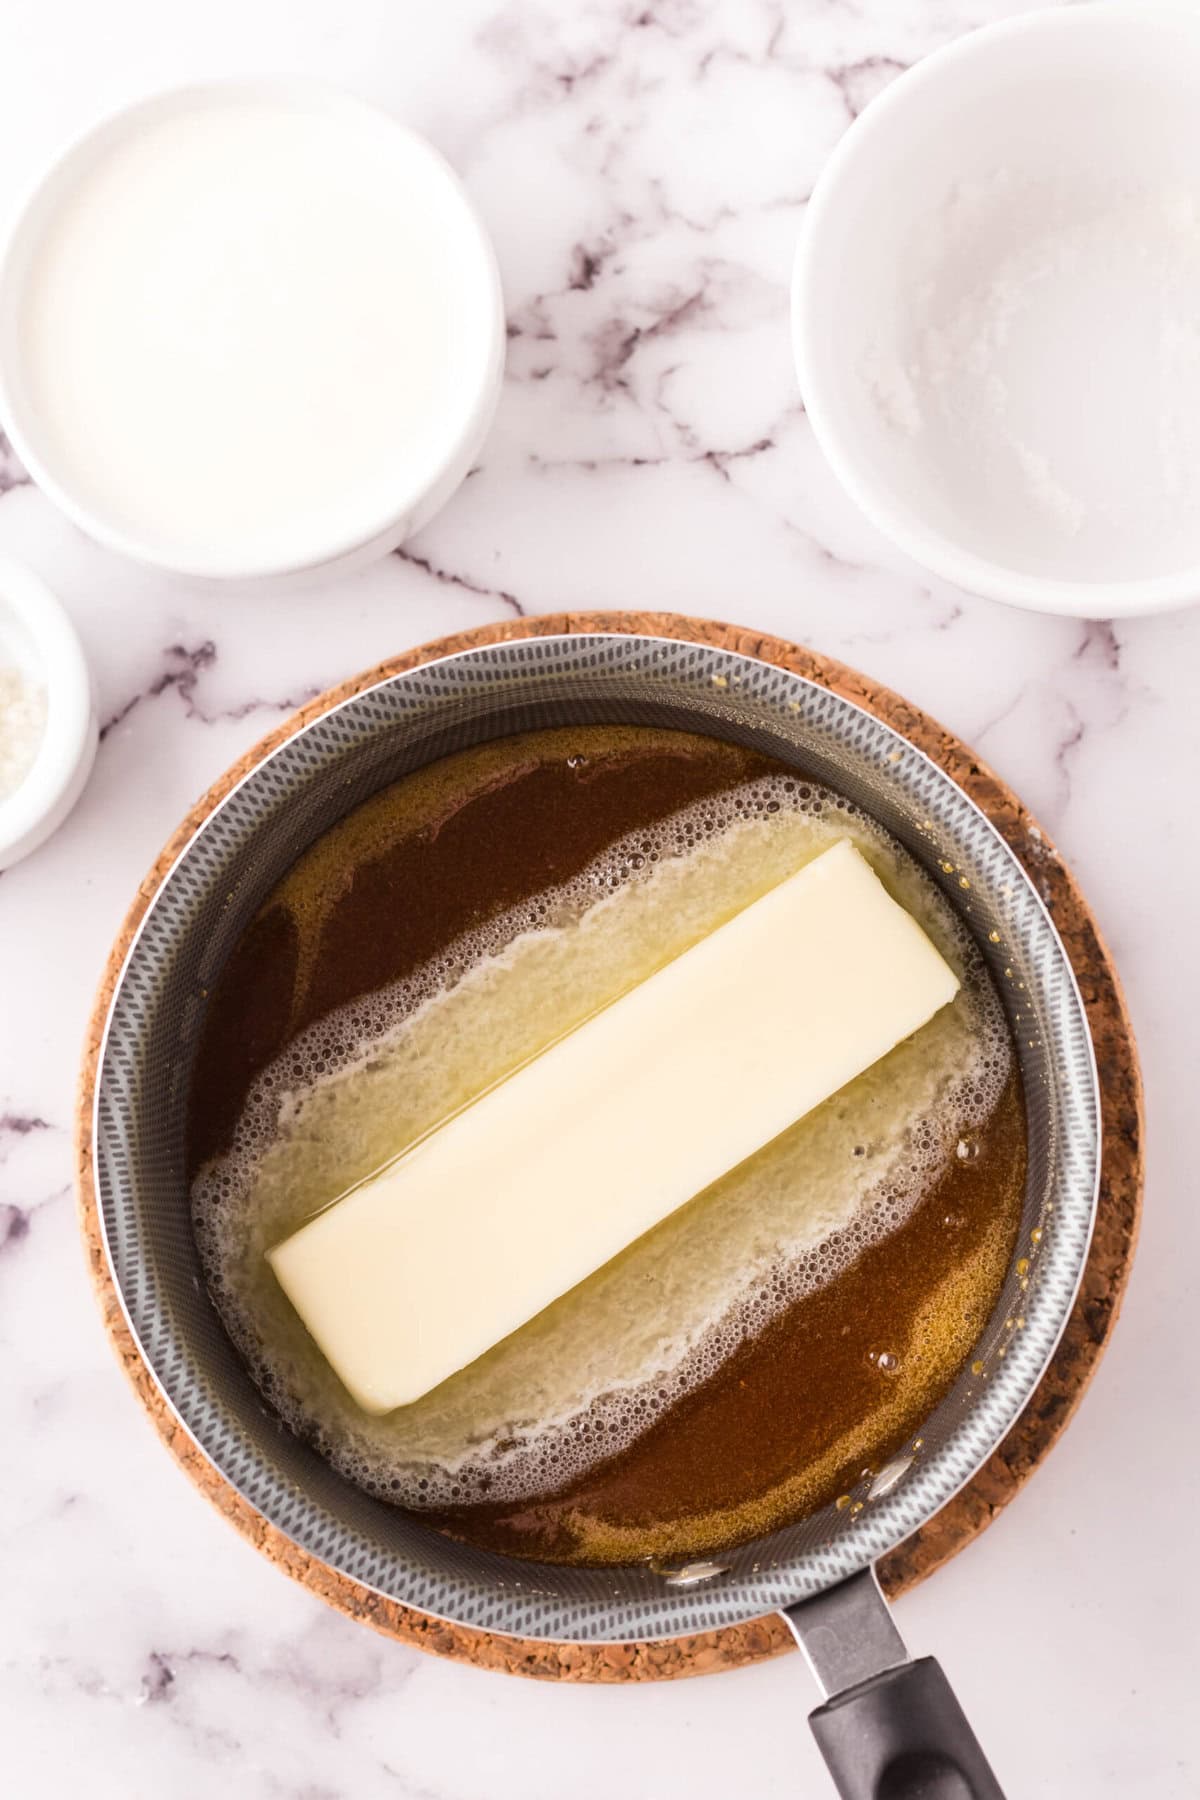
[(643, 166)]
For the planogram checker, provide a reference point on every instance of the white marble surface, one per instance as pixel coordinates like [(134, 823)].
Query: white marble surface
[(643, 167)]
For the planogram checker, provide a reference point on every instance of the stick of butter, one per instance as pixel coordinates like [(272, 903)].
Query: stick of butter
[(544, 1178)]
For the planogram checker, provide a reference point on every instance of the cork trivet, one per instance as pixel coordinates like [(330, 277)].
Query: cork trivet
[(1053, 1401)]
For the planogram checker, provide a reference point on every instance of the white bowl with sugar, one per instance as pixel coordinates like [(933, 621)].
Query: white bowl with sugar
[(996, 310), (249, 329)]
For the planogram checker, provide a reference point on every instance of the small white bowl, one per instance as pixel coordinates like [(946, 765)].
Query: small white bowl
[(996, 310), (38, 637), (254, 375)]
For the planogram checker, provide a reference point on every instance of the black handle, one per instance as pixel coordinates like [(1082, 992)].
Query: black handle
[(902, 1735)]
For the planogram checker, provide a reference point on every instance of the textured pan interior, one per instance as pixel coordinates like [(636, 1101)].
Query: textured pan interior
[(218, 883)]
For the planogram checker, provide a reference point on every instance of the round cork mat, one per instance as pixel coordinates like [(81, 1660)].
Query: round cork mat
[(1054, 1400)]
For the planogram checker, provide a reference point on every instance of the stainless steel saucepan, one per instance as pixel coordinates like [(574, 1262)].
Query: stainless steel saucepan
[(889, 1727)]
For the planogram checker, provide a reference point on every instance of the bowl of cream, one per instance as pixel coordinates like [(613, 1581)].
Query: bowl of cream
[(249, 329), (996, 310)]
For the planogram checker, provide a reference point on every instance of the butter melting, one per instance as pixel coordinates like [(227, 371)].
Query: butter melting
[(595, 1370)]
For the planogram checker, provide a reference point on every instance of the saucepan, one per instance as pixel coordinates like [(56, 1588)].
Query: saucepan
[(888, 1726)]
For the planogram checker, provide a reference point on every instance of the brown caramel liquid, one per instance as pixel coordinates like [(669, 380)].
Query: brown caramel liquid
[(836, 1385)]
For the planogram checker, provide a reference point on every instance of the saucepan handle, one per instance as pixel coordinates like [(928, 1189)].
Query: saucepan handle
[(890, 1728), (903, 1736)]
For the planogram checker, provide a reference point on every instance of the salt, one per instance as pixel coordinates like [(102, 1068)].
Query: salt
[(22, 723)]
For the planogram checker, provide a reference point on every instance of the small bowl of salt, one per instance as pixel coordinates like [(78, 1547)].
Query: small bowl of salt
[(996, 310), (48, 731)]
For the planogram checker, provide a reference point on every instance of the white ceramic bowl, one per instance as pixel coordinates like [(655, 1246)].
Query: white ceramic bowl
[(37, 636), (996, 310), (396, 191)]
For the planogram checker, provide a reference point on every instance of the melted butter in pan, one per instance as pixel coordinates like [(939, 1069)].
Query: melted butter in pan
[(743, 1363)]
